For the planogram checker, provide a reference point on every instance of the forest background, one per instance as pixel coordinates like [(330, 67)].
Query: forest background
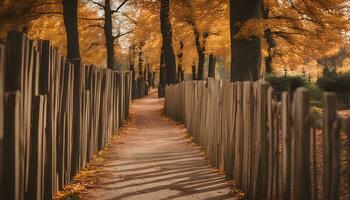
[(296, 36)]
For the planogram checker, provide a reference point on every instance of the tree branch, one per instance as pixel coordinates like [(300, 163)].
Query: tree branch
[(97, 4), (95, 26), (122, 34), (91, 19), (128, 17), (120, 6)]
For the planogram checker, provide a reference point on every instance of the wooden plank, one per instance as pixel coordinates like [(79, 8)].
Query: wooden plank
[(286, 146), (14, 60), (302, 145), (13, 141), (77, 113), (271, 137), (261, 153), (231, 129), (36, 183), (102, 119), (346, 129), (61, 105), (2, 83), (239, 137), (247, 135), (27, 84), (331, 147), (15, 78)]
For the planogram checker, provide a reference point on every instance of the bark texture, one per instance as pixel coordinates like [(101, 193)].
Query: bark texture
[(108, 30), (70, 16), (212, 64), (167, 44), (245, 53)]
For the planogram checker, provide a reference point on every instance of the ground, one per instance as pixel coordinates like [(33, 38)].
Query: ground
[(154, 159)]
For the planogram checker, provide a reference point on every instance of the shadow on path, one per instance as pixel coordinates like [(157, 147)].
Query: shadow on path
[(156, 161)]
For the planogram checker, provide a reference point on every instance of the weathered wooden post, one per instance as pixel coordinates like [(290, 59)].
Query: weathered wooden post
[(37, 157), (286, 146), (302, 176), (259, 177), (2, 83), (248, 134), (17, 77), (13, 144), (331, 147)]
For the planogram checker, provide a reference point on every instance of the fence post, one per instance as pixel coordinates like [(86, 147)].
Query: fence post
[(37, 157), (286, 147), (2, 81), (270, 146), (331, 147), (13, 143), (238, 135), (247, 136), (261, 153), (302, 176)]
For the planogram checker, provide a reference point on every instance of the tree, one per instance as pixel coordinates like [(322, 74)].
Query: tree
[(245, 53), (194, 12), (212, 64), (18, 15), (180, 54), (108, 30), (194, 76), (271, 43), (300, 31), (200, 49), (167, 43), (70, 15)]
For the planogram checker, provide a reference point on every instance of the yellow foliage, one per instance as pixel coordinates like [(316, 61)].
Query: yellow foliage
[(303, 30)]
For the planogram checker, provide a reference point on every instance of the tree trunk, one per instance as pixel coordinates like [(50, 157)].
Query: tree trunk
[(141, 60), (108, 30), (162, 78), (132, 61), (269, 40), (70, 16), (245, 53), (194, 77), (133, 72), (201, 52), (153, 79), (149, 77), (167, 46), (180, 62), (212, 63)]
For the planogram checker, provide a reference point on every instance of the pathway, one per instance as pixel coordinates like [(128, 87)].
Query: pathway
[(155, 160)]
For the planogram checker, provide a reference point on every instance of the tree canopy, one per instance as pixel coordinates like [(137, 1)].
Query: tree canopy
[(292, 33)]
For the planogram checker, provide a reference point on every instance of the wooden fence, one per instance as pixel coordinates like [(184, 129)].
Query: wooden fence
[(272, 150), (54, 116)]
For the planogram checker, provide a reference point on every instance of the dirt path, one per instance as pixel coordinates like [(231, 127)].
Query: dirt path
[(155, 160)]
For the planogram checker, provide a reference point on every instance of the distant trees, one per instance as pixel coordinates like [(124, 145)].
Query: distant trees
[(275, 33), (17, 15), (299, 31), (167, 43)]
